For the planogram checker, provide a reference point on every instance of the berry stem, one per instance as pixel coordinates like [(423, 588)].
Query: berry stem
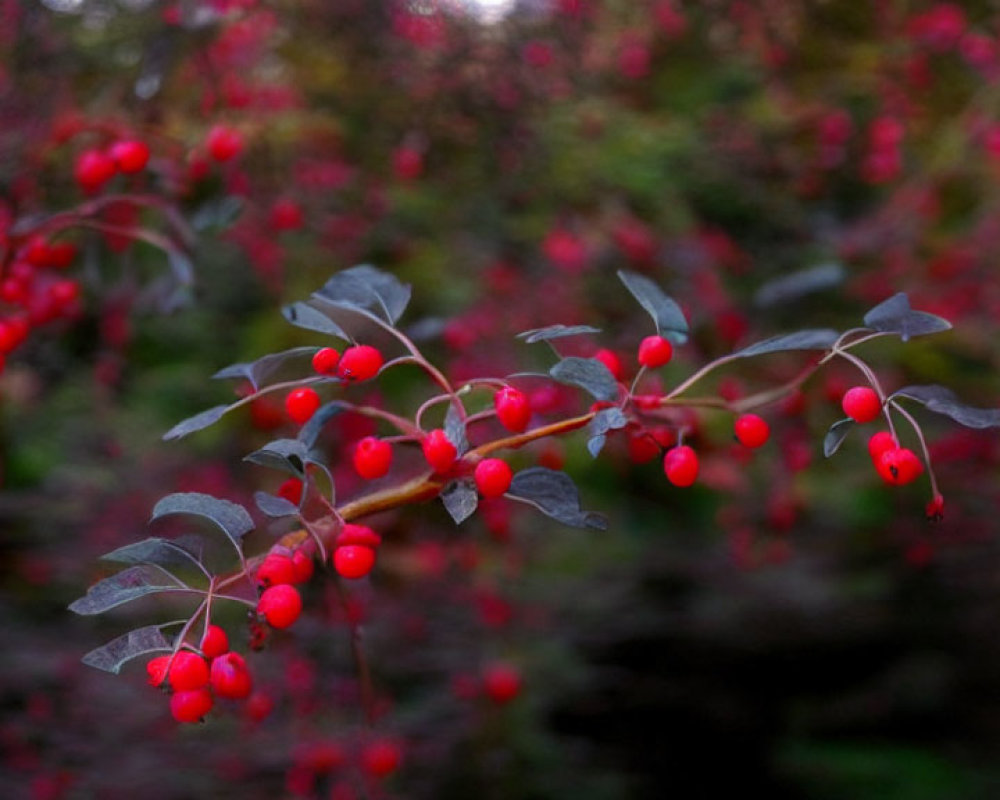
[(923, 443)]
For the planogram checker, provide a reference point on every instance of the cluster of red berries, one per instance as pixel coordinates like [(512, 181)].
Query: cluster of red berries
[(354, 551), (280, 603), (360, 362), (96, 166), (196, 679), (895, 465)]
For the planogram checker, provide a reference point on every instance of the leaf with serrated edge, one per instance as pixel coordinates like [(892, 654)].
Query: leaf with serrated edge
[(154, 550), (140, 642), (125, 586), (303, 315), (201, 420), (366, 287), (460, 500), (231, 517), (258, 371), (667, 315), (943, 400), (553, 493), (554, 332), (589, 374), (896, 316), (274, 506), (835, 436), (808, 339)]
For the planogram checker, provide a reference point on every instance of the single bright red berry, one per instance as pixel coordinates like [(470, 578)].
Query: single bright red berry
[(680, 464), (291, 490), (382, 757), (301, 404), (861, 403), (325, 360), (224, 143), (191, 705), (131, 155), (493, 477), (372, 457), (230, 677), (353, 560), (156, 668), (751, 430), (611, 360), (655, 351), (439, 452), (189, 671), (93, 169), (501, 682), (359, 363), (215, 642), (280, 605), (353, 533), (899, 466), (275, 570), (935, 508), (513, 409), (303, 564), (880, 443), (61, 254)]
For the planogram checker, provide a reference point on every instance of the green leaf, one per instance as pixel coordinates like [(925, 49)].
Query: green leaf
[(943, 400), (835, 436), (230, 517), (140, 642), (275, 506), (460, 500), (604, 421), (264, 367), (554, 332), (666, 313), (369, 288), (554, 494), (125, 586), (808, 339), (895, 316), (303, 315), (200, 420), (589, 374), (154, 550)]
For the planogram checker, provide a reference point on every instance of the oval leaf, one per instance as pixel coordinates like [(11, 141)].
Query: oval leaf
[(798, 284), (460, 500), (454, 429), (554, 332), (154, 550), (604, 421), (809, 339), (196, 423), (589, 374), (309, 432), (835, 436), (667, 315), (117, 652), (125, 586), (303, 315), (285, 455), (231, 517), (943, 400), (274, 506), (553, 493), (260, 370), (895, 316), (366, 287)]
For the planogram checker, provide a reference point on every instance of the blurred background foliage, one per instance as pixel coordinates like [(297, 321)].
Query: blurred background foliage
[(788, 625)]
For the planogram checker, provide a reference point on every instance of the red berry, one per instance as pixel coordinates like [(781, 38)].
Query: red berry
[(513, 409), (286, 215), (899, 466), (493, 477), (880, 443), (130, 155), (157, 670), (353, 560), (230, 677), (302, 563), (655, 351), (191, 705), (93, 169), (501, 682), (280, 605), (357, 534), (680, 464), (372, 457), (359, 363), (935, 508), (291, 490), (61, 254), (751, 430), (439, 452), (325, 361), (215, 642), (642, 447), (224, 143), (189, 671), (275, 570), (861, 403), (381, 757), (301, 404), (611, 360)]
